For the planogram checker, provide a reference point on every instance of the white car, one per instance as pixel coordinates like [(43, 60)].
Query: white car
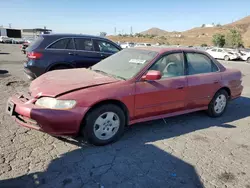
[(220, 53), (127, 45), (5, 39), (142, 45), (245, 56)]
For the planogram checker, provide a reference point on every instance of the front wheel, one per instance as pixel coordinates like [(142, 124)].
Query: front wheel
[(104, 125), (218, 104)]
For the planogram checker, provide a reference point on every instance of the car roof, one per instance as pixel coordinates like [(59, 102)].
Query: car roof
[(162, 50), (71, 35)]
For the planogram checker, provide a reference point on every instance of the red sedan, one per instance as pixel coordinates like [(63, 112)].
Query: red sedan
[(134, 85)]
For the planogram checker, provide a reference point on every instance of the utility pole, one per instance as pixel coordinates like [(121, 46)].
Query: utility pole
[(115, 31), (131, 30), (9, 25)]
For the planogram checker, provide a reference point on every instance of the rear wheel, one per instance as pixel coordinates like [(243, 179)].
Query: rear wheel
[(104, 125), (248, 60), (226, 58), (218, 104)]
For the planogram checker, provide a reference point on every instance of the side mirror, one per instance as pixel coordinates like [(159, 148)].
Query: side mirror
[(152, 75)]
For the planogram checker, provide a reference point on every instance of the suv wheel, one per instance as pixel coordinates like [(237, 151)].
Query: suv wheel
[(218, 104), (104, 124)]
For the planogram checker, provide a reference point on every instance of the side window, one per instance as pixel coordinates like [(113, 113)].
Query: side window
[(63, 44), (219, 50), (199, 63), (103, 46), (84, 44), (213, 50), (170, 65)]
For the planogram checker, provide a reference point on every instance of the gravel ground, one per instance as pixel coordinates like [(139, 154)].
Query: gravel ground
[(187, 151)]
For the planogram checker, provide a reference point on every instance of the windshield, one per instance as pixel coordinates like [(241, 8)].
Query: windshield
[(126, 63)]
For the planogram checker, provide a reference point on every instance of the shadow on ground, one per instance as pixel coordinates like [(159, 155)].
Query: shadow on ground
[(4, 73), (4, 53), (135, 160)]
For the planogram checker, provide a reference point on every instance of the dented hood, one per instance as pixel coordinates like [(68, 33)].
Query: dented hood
[(58, 82)]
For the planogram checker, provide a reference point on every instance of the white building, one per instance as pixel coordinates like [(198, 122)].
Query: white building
[(209, 25)]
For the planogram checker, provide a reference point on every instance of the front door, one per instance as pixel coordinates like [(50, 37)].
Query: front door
[(203, 80), (104, 48), (166, 95), (85, 55)]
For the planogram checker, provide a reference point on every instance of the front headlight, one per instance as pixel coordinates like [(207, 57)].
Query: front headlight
[(53, 103)]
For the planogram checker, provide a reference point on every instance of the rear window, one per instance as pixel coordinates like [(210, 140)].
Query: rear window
[(35, 43), (61, 44)]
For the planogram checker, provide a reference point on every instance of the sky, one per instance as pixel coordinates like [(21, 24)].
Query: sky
[(95, 16)]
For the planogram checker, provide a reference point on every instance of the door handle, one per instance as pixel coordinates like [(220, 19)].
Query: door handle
[(216, 81)]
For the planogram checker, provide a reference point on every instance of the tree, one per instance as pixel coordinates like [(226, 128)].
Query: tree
[(234, 39), (218, 40), (204, 45), (218, 25), (203, 25)]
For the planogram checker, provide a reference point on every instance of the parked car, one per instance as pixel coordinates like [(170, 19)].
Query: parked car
[(142, 44), (245, 56), (127, 45), (5, 39), (24, 46), (17, 41), (59, 51), (220, 53), (133, 85)]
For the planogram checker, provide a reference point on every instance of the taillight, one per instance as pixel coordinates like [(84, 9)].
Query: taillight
[(34, 55)]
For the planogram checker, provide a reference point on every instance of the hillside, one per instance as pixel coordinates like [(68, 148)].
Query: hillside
[(194, 36), (154, 31)]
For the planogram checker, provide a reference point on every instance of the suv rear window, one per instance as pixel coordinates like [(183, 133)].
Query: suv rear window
[(35, 43), (66, 43)]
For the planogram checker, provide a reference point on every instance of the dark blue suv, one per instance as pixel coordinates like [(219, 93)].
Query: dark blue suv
[(59, 51)]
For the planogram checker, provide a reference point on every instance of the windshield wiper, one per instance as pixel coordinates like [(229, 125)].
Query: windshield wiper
[(102, 72)]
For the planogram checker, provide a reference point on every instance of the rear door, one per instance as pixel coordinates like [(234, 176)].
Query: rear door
[(60, 51), (85, 54), (221, 54), (204, 79), (214, 53), (105, 48)]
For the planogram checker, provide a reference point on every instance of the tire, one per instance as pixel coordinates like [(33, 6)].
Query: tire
[(59, 67), (248, 60), (106, 134), (218, 104), (226, 58)]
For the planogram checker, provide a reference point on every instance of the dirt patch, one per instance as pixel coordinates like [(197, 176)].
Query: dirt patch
[(226, 177), (244, 146), (17, 83), (200, 138)]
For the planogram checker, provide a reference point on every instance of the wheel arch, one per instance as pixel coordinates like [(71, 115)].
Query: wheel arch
[(226, 89), (59, 64), (108, 101)]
